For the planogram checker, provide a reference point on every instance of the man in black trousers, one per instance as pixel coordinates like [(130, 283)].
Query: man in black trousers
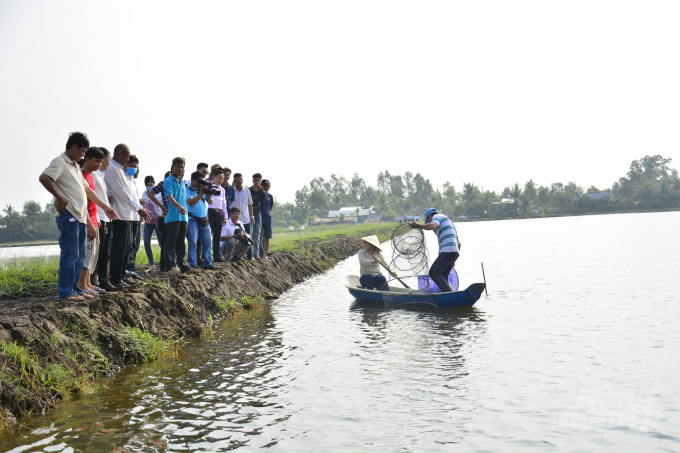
[(119, 188)]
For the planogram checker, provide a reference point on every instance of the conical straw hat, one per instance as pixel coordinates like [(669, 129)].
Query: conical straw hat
[(373, 240)]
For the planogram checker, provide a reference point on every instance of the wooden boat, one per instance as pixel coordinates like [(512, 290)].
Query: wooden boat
[(412, 298)]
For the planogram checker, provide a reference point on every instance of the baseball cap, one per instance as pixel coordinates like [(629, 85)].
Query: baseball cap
[(430, 212), (265, 182)]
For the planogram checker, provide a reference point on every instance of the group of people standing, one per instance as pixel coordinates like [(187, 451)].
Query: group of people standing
[(100, 210)]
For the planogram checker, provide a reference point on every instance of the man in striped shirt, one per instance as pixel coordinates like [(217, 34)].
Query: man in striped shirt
[(449, 246)]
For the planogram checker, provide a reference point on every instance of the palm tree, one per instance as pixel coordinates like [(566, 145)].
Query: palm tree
[(515, 194), (9, 211), (469, 192), (488, 198)]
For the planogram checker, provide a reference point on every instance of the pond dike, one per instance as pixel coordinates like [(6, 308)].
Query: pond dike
[(52, 349)]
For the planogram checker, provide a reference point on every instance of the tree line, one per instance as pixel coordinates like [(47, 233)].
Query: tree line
[(650, 184)]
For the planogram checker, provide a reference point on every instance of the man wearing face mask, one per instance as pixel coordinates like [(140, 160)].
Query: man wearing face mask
[(123, 196)]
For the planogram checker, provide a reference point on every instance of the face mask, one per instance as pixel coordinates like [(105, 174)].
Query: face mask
[(131, 171), (149, 188)]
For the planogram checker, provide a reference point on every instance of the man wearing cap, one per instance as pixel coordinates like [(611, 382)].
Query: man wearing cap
[(449, 246)]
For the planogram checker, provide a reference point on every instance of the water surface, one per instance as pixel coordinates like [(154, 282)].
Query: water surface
[(574, 349)]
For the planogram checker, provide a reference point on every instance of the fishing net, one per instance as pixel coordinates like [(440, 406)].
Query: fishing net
[(409, 251), (410, 258)]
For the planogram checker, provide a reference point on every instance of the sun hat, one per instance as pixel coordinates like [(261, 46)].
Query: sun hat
[(430, 212), (373, 240)]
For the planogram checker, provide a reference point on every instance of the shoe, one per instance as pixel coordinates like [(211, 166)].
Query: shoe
[(210, 267), (174, 270), (120, 285), (192, 271), (151, 268), (132, 275), (200, 261), (219, 260), (109, 288), (129, 281)]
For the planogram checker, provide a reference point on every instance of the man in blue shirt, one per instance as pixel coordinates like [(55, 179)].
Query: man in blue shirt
[(228, 188), (198, 198), (266, 212), (176, 220)]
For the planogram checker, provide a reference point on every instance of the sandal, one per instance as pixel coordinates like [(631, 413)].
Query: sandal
[(99, 290), (73, 298), (91, 292)]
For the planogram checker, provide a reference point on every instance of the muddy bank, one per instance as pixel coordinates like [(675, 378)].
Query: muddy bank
[(51, 349)]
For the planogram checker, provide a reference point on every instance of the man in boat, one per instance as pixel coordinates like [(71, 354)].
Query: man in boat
[(449, 246)]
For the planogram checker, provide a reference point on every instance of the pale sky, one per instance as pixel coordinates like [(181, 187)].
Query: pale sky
[(487, 92)]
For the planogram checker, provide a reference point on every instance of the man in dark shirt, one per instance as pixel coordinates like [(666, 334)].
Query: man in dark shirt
[(259, 197), (161, 220)]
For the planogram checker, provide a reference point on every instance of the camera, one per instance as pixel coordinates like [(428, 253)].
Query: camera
[(210, 187), (243, 237)]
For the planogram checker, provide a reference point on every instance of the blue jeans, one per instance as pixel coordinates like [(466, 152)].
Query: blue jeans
[(72, 242), (372, 281), (205, 236), (257, 230), (441, 268), (149, 228)]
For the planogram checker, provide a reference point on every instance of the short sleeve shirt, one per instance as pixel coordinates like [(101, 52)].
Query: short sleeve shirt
[(179, 193), (91, 207), (69, 182), (200, 209), (258, 197), (446, 234), (267, 209)]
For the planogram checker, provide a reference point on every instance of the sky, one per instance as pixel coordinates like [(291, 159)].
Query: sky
[(489, 92)]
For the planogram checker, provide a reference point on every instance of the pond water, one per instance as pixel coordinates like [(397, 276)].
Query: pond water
[(574, 349)]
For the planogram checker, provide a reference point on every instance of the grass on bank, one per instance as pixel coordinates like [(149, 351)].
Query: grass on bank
[(21, 276)]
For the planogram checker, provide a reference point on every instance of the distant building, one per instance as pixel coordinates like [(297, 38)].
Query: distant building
[(597, 195), (365, 214)]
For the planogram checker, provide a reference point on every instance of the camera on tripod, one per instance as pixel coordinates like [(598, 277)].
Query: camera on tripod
[(243, 237), (211, 188)]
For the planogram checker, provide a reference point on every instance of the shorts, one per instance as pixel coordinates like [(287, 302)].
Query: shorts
[(91, 254), (267, 230)]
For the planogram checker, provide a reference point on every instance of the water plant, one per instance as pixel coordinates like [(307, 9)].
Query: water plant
[(139, 346)]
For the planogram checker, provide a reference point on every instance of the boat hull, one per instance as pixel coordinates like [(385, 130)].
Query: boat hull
[(456, 299)]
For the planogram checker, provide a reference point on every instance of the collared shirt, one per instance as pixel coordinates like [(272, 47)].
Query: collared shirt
[(220, 201), (267, 209), (200, 209), (159, 189), (119, 186), (69, 182), (179, 192), (229, 227), (91, 207), (135, 193), (446, 233), (100, 190), (243, 199), (258, 197)]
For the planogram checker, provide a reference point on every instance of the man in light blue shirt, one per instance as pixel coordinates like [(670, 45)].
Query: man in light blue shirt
[(198, 197)]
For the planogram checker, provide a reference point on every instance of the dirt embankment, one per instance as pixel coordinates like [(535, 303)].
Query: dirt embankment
[(51, 349)]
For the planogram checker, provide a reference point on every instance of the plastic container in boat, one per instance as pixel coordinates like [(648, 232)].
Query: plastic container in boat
[(427, 286)]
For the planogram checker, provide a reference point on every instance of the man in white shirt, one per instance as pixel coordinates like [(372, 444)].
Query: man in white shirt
[(126, 204), (232, 247), (243, 200), (99, 276)]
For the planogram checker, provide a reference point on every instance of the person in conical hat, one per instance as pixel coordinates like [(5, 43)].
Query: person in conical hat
[(369, 259)]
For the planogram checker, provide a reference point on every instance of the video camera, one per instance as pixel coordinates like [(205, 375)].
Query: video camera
[(243, 237), (210, 187)]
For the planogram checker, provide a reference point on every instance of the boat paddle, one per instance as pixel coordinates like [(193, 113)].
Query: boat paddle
[(395, 276)]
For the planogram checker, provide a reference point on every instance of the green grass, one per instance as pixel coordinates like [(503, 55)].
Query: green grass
[(23, 276), (139, 346)]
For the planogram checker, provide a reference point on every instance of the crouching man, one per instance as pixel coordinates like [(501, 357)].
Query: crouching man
[(232, 248)]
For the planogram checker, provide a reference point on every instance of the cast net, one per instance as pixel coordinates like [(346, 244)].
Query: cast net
[(410, 259)]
